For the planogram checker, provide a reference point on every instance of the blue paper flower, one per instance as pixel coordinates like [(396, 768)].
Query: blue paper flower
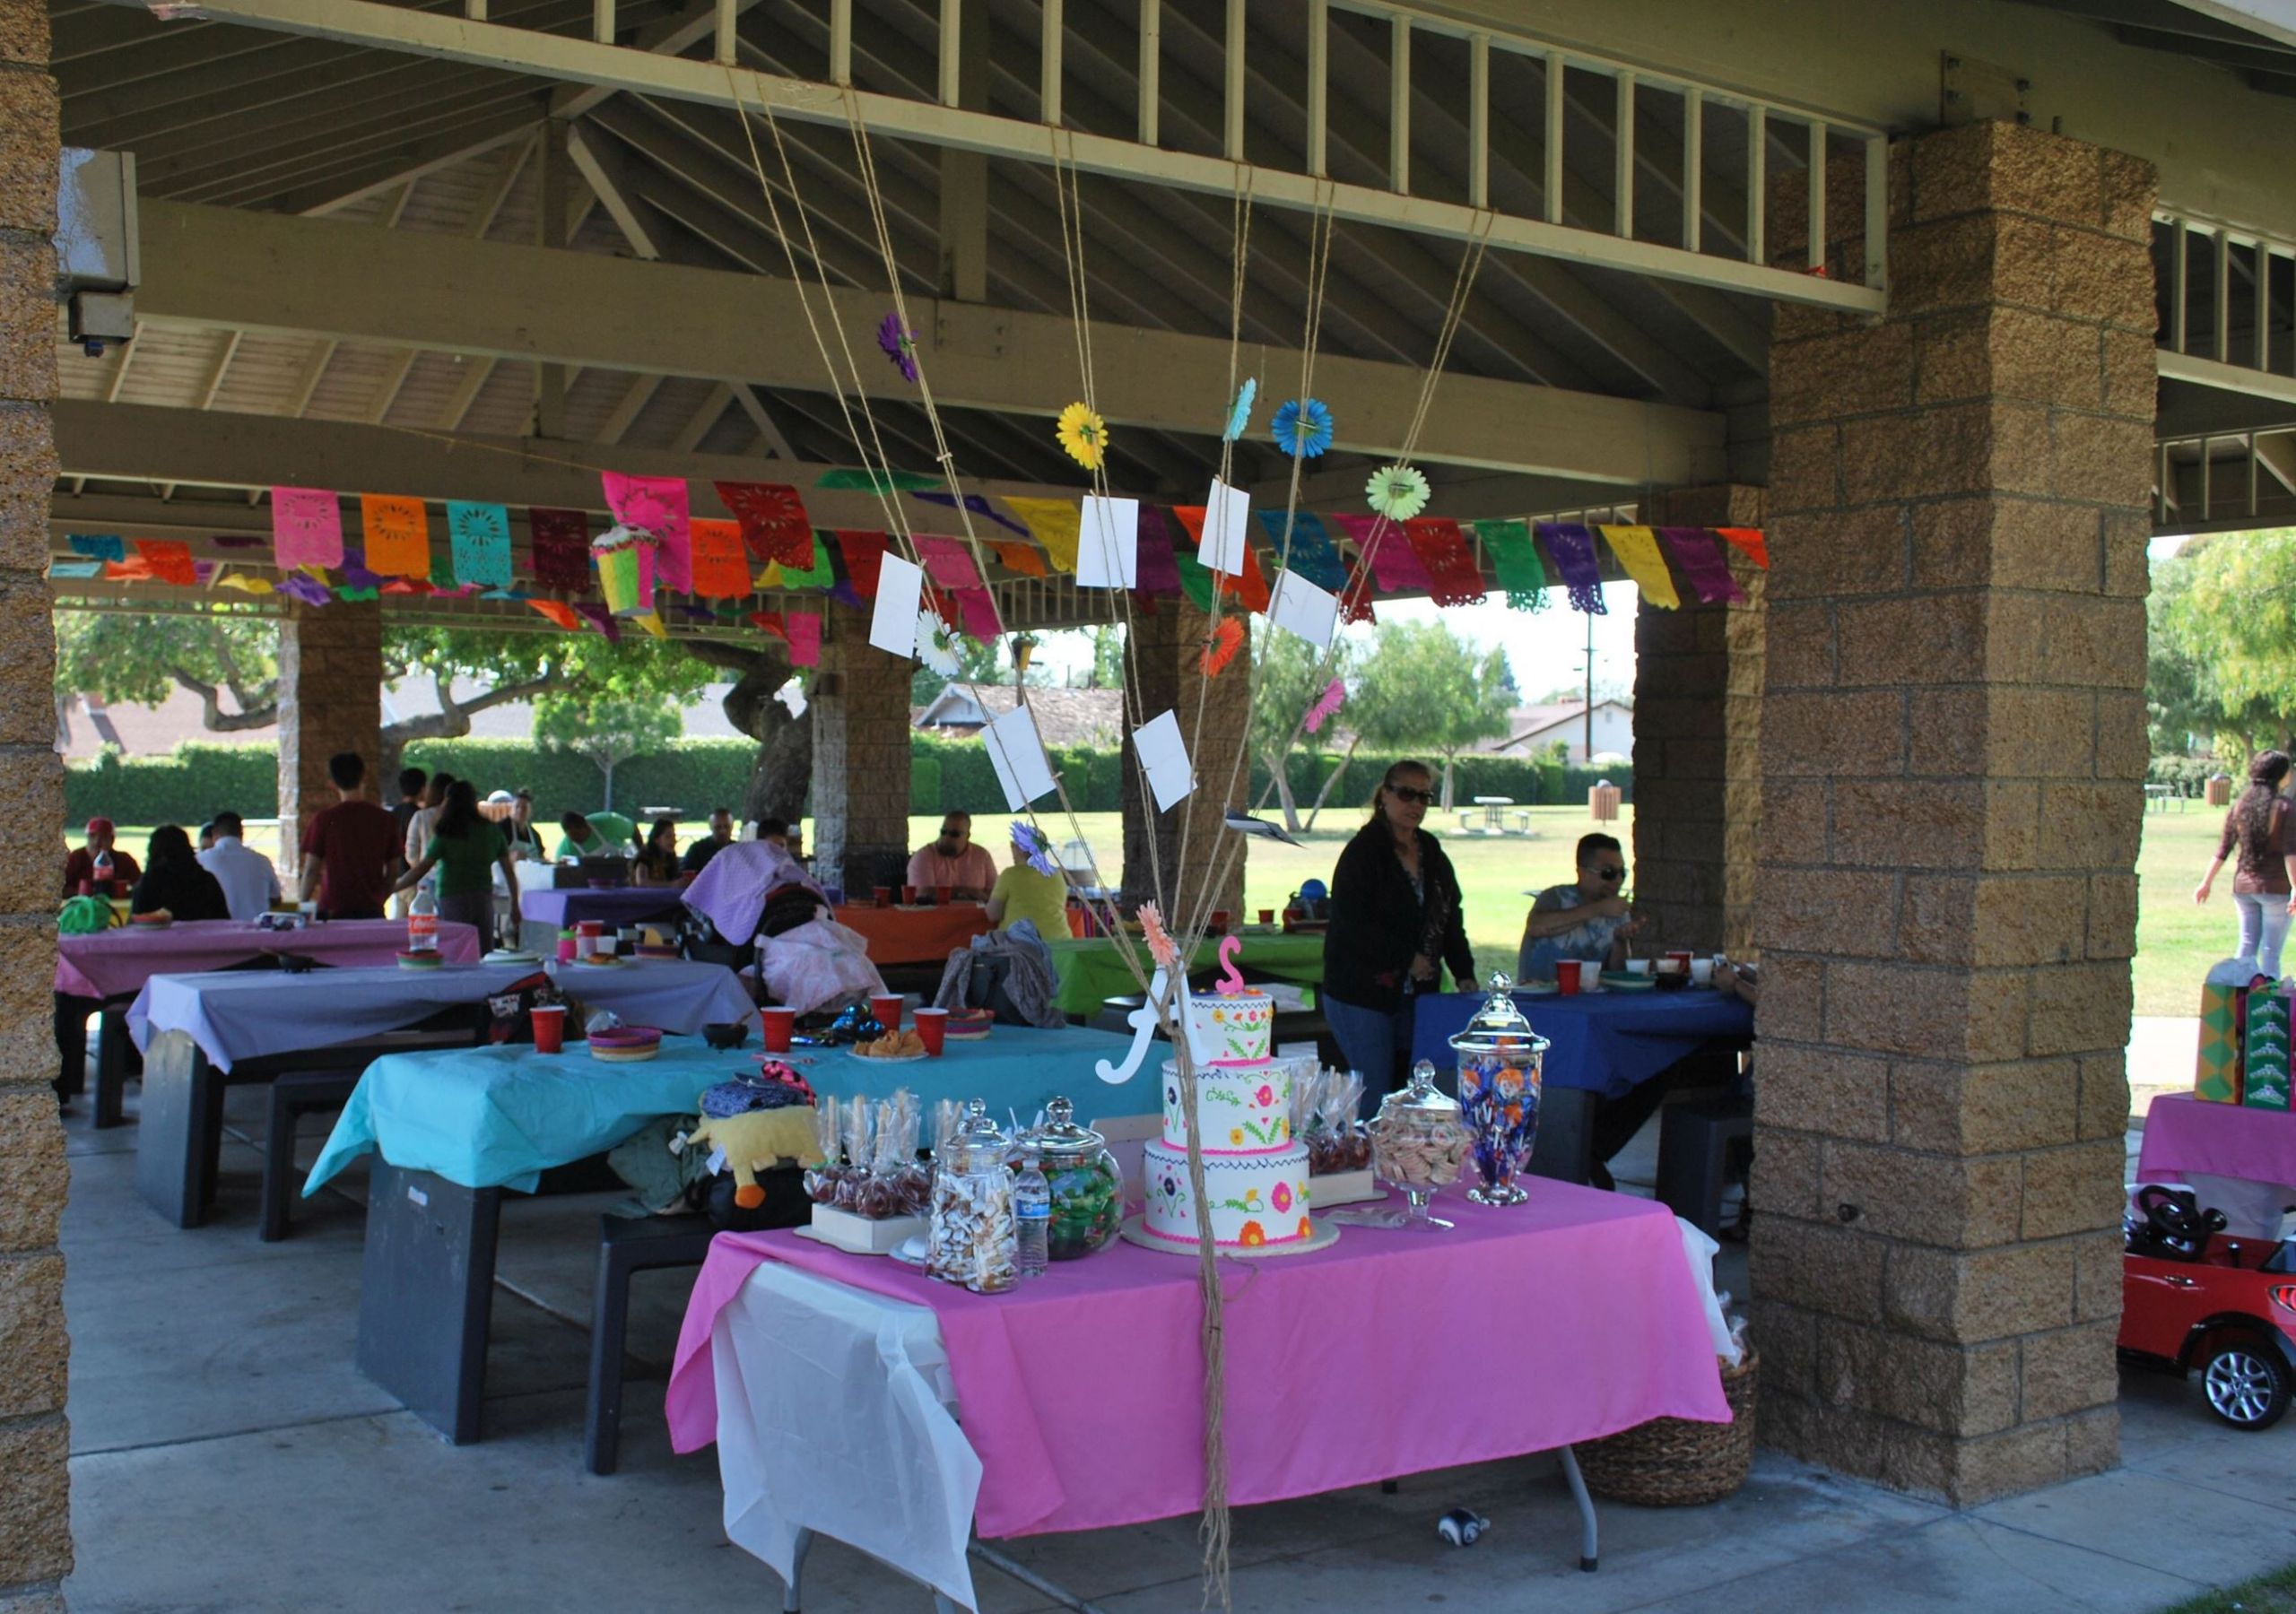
[(1240, 414), (1302, 427)]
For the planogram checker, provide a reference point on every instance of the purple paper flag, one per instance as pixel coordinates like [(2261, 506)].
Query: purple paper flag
[(1700, 558), (978, 505), (1572, 547), (301, 587), (1158, 573), (601, 619)]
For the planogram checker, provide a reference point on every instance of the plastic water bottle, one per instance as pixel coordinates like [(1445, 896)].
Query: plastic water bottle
[(1031, 1217), (103, 873), (422, 919)]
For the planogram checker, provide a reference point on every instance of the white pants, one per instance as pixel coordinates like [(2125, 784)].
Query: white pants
[(2263, 927)]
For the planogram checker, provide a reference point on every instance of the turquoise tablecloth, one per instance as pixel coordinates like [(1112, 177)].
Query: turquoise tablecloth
[(497, 1117)]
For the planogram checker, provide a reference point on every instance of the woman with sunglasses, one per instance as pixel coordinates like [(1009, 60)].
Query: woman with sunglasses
[(1395, 917)]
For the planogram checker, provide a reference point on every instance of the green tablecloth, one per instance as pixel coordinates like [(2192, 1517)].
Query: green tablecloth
[(1092, 970)]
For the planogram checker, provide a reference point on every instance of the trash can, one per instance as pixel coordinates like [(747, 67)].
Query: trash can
[(1602, 801), (2220, 790)]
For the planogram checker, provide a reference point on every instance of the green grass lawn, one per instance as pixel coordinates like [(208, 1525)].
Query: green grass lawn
[(2175, 941), (2274, 1594)]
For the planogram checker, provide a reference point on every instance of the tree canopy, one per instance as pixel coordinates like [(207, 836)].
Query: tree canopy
[(2221, 658), (1289, 677), (609, 727), (1423, 688)]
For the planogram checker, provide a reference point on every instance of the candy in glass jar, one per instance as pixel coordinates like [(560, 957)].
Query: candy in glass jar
[(1087, 1184), (1499, 1060), (972, 1239), (1418, 1142)]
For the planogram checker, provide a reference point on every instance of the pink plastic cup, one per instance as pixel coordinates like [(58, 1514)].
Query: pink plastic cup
[(779, 1026), (550, 1028), (933, 1030)]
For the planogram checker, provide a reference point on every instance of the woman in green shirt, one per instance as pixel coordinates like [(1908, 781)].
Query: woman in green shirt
[(1021, 892), (466, 850)]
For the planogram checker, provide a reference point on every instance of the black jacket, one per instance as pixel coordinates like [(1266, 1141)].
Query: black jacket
[(184, 888), (1378, 924)]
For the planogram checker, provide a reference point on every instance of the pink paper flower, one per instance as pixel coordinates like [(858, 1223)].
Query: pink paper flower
[(1160, 940)]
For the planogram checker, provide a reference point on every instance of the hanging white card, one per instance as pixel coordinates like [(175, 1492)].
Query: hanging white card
[(1163, 754), (1016, 751), (1299, 606), (1227, 512), (1108, 543), (901, 595)]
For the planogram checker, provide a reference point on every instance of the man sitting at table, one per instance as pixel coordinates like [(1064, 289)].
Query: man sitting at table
[(1588, 921), (351, 851), (954, 861), (251, 884), (82, 863), (595, 835), (721, 837)]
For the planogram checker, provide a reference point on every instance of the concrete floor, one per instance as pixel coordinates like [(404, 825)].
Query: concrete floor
[(227, 1455)]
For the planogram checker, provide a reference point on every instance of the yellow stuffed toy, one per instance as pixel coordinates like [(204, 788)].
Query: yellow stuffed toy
[(753, 1140)]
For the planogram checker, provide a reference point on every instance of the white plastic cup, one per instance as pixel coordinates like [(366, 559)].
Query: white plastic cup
[(1638, 967), (1701, 972)]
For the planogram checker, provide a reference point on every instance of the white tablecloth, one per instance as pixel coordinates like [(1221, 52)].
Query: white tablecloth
[(251, 1014), (859, 1383)]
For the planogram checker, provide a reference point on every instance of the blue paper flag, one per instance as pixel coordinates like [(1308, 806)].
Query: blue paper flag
[(76, 568), (98, 546), (1312, 554), (978, 505), (480, 536)]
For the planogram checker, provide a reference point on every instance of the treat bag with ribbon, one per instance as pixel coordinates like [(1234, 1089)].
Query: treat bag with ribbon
[(2264, 1048), (2224, 994)]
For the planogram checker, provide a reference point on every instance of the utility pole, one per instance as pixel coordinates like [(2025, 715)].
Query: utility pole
[(1588, 755)]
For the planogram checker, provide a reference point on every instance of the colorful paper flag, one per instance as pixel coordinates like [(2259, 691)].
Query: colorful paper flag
[(1572, 547), (721, 568), (769, 622), (1056, 522), (100, 546), (561, 548), (804, 639), (851, 480), (1395, 565), (1514, 561), (1312, 554), (169, 560), (306, 589), (245, 582), (478, 539), (306, 527), (773, 521), (659, 504), (396, 534), (78, 568), (1016, 556), (948, 561), (977, 613), (973, 503), (1157, 574), (1700, 556), (558, 611), (1750, 540), (1637, 548)]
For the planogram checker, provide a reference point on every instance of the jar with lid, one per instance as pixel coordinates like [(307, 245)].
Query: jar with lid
[(1418, 1142), (972, 1239), (1499, 1060), (1087, 1184)]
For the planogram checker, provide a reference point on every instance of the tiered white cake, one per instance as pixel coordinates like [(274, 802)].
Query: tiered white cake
[(1255, 1177)]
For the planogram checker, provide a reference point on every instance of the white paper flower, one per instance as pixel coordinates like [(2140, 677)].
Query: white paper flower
[(936, 645)]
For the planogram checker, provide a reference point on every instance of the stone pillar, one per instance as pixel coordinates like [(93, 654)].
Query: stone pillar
[(35, 1502), (330, 701), (1164, 662), (1698, 680), (1953, 746), (860, 793)]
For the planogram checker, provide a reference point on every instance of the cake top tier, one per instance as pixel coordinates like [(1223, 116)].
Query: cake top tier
[(1233, 1029)]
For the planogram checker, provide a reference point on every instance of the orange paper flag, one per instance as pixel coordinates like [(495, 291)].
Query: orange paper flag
[(721, 569), (558, 611), (397, 534), (1017, 556)]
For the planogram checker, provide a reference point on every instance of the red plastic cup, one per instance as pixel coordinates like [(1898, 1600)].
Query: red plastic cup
[(908, 895), (1679, 961), (87, 888), (1566, 976), (1267, 915), (123, 888), (943, 894), (779, 1024), (886, 1006), (550, 1028), (885, 896), (933, 1030), (1219, 920)]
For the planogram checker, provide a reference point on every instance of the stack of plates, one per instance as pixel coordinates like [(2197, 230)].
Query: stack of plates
[(511, 955), (429, 960), (625, 1044)]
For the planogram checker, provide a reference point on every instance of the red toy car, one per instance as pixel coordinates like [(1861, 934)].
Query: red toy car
[(2193, 1298)]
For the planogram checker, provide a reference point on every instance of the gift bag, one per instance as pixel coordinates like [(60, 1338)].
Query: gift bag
[(2216, 1073), (2264, 1048)]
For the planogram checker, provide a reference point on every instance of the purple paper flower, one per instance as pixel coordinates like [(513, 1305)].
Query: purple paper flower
[(899, 345), (1034, 847)]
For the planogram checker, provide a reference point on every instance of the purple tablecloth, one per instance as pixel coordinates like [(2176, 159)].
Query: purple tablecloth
[(1604, 1042), (2184, 1135), (624, 905), (118, 963)]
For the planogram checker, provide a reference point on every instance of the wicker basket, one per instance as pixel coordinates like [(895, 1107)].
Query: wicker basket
[(1673, 1462)]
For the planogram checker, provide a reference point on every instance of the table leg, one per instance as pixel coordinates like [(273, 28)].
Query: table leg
[(111, 1068), (175, 1162), (1588, 1546), (791, 1592), (1564, 1149), (1007, 1565), (426, 1294)]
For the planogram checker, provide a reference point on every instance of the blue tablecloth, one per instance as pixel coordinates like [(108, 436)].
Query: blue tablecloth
[(1605, 1042), (627, 905), (497, 1117)]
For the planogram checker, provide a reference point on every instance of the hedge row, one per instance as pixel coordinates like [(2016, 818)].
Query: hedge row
[(696, 774)]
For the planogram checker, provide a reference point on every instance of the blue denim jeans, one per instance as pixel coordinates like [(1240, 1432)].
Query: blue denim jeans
[(1376, 1044), (2263, 927)]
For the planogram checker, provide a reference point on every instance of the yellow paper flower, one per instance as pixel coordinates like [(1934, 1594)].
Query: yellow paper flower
[(1084, 435), (1397, 492)]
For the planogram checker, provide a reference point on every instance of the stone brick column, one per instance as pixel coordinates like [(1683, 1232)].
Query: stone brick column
[(1697, 682), (1952, 742), (860, 793), (1164, 654), (35, 1501), (330, 701)]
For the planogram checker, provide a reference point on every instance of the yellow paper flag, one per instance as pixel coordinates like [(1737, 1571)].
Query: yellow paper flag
[(652, 622), (1056, 524), (244, 583), (1637, 548)]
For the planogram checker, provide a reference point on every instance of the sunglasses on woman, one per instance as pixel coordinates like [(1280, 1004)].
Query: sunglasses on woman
[(1425, 798)]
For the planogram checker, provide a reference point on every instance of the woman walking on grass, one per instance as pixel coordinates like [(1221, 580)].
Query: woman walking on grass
[(2265, 873)]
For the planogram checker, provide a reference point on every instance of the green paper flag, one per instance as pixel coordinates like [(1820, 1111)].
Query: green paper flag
[(851, 479), (1515, 560), (1195, 581), (817, 574)]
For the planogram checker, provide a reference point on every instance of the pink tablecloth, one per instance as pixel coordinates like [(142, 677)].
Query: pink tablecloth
[(1563, 1319), (2184, 1135), (118, 963)]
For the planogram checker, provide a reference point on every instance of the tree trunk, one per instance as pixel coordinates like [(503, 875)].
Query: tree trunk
[(1332, 779), (1447, 781), (1283, 796), (608, 767), (784, 769)]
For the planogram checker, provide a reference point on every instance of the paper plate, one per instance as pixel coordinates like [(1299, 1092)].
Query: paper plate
[(639, 1054), (875, 1059), (505, 956), (1620, 981)]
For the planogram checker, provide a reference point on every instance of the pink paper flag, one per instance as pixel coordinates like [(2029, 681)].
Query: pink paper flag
[(976, 610), (659, 504), (804, 632), (1396, 567), (306, 527), (948, 561)]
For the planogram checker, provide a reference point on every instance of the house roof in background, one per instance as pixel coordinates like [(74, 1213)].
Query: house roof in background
[(1064, 717)]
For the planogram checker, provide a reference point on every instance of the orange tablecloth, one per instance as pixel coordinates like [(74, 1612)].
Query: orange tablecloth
[(925, 935)]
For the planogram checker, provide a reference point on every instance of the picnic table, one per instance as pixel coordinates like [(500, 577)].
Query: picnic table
[(454, 1129), (1081, 1394), (1092, 970), (543, 913)]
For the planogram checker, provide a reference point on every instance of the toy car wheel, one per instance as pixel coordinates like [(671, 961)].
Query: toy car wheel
[(2246, 1381)]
